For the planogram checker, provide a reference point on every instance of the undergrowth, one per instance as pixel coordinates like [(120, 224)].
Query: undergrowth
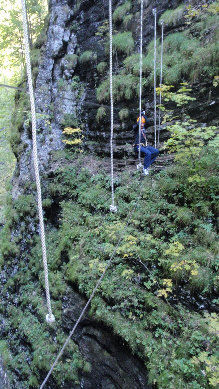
[(152, 296)]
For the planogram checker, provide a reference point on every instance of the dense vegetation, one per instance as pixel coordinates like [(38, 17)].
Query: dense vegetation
[(6, 155), (189, 54), (165, 266), (159, 295)]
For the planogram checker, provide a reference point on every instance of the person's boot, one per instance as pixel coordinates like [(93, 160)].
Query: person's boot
[(139, 166), (145, 172)]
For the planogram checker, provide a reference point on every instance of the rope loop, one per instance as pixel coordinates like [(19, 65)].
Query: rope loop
[(140, 85), (49, 318), (112, 206), (155, 69), (161, 78)]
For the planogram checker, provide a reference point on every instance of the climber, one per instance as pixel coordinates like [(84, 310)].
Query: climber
[(150, 152)]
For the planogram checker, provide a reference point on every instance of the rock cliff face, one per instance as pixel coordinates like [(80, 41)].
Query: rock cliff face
[(67, 94), (66, 84)]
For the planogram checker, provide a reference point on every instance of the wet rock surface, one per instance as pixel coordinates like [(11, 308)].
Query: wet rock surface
[(112, 364)]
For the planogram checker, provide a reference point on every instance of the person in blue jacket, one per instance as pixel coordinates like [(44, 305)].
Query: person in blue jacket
[(149, 152)]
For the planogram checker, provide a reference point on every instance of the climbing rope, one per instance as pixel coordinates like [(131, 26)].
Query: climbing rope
[(113, 208), (93, 292), (49, 317), (161, 79), (140, 87), (155, 69)]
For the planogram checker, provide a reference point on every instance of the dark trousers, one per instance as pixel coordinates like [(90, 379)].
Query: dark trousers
[(150, 155)]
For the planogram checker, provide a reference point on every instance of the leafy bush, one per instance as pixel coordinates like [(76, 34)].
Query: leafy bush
[(121, 11), (101, 67), (69, 120), (72, 60), (101, 113), (61, 84), (127, 19), (188, 55), (171, 17), (124, 88), (123, 43), (123, 114), (159, 259), (87, 56)]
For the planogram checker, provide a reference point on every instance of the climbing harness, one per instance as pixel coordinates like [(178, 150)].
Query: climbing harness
[(155, 69), (161, 79), (49, 317), (139, 166), (113, 208), (94, 290)]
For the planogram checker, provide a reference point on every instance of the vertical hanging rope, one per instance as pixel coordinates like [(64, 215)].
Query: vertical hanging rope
[(155, 69), (140, 85), (161, 79), (113, 208), (49, 317)]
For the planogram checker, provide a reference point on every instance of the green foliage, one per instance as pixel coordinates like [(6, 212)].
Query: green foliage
[(35, 57), (187, 138), (122, 43), (124, 88), (101, 113), (103, 29), (101, 67), (123, 114), (69, 120), (126, 21), (7, 160), (121, 11), (213, 8), (173, 16), (188, 55), (72, 60), (61, 84), (167, 252), (11, 31), (20, 113), (170, 250), (75, 84), (87, 56)]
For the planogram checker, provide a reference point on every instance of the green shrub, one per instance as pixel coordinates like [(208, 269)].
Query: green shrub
[(122, 43), (132, 63), (61, 84), (21, 110), (75, 84), (101, 113), (101, 67), (151, 249), (69, 120), (185, 58), (127, 19), (35, 57), (171, 17), (121, 11), (72, 60), (124, 88), (123, 114), (87, 56)]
